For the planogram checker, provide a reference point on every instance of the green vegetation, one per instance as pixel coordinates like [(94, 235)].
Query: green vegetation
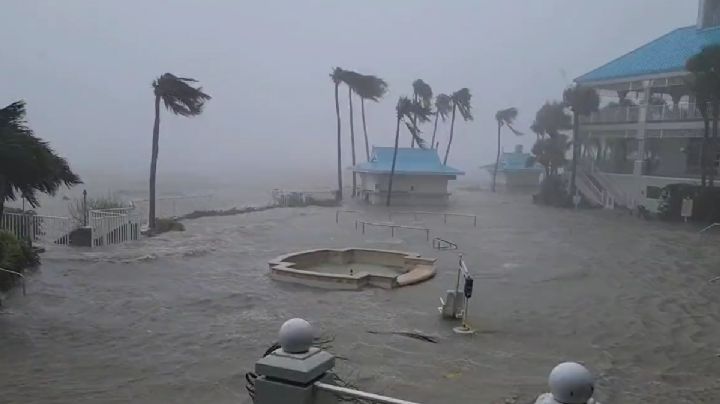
[(164, 225), (549, 151), (442, 110), (27, 163), (15, 255), (180, 98)]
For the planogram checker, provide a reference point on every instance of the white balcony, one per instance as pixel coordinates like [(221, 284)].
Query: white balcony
[(613, 115), (655, 113)]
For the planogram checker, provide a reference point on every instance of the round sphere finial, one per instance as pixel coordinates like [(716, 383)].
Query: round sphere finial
[(296, 336), (571, 383)]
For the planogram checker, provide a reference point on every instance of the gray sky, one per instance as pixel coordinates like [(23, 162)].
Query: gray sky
[(85, 69)]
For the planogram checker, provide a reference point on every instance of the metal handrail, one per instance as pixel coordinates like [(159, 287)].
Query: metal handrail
[(442, 244), (709, 227), (444, 214), (18, 274), (345, 392), (339, 211), (392, 227)]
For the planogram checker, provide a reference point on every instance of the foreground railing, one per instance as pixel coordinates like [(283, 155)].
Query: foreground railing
[(298, 373), (113, 226), (19, 275), (445, 215), (361, 224), (41, 229)]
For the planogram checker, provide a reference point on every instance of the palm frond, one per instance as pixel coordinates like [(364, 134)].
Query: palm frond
[(443, 105), (180, 97), (415, 133), (461, 99), (581, 99), (336, 75), (506, 116), (371, 87), (423, 91)]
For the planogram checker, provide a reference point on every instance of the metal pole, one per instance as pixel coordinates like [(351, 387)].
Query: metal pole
[(445, 218), (457, 284), (345, 392), (337, 217), (392, 231), (475, 221), (363, 227), (427, 234), (85, 212)]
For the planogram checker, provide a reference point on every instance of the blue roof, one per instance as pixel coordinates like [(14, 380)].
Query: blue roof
[(517, 162), (664, 55), (409, 161)]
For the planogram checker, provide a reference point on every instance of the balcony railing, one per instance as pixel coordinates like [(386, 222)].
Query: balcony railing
[(684, 112), (655, 113), (613, 115)]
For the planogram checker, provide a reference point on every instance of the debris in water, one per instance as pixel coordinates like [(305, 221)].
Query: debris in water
[(414, 335)]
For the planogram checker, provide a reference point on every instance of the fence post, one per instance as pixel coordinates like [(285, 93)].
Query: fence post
[(288, 374), (392, 231)]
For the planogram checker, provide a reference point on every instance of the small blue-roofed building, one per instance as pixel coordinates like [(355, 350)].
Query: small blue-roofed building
[(648, 132), (420, 177), (517, 169)]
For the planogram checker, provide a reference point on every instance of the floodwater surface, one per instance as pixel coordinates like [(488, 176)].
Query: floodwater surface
[(181, 317)]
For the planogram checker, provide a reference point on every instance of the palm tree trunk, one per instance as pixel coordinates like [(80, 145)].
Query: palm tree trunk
[(452, 130), (414, 122), (339, 147), (713, 145), (367, 144), (704, 152), (573, 167), (153, 163), (497, 159), (432, 143), (2, 196), (392, 170), (352, 142)]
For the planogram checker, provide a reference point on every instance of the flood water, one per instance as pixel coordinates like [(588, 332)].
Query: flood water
[(181, 317)]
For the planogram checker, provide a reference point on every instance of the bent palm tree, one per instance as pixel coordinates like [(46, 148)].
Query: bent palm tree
[(337, 77), (370, 88), (582, 101), (504, 117), (442, 109), (460, 102), (407, 111), (27, 163), (353, 81), (180, 98), (422, 93)]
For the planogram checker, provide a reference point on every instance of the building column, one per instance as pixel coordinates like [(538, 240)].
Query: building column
[(639, 165)]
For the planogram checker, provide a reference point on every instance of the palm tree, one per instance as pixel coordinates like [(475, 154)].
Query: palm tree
[(180, 98), (582, 101), (705, 69), (460, 102), (407, 111), (550, 151), (27, 163), (422, 92), (442, 109), (353, 81), (699, 85), (370, 88), (337, 78), (504, 117)]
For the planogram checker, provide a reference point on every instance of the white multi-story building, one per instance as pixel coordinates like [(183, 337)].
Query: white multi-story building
[(648, 133)]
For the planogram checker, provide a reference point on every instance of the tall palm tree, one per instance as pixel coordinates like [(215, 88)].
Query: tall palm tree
[(582, 101), (700, 86), (27, 163), (705, 69), (460, 102), (180, 98), (407, 111), (442, 109), (423, 93), (353, 81), (504, 117), (550, 151), (370, 88), (337, 77)]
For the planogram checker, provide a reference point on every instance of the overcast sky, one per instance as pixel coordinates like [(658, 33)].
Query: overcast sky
[(85, 69)]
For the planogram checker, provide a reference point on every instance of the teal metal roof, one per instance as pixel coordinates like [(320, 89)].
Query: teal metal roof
[(517, 162), (409, 161), (664, 55)]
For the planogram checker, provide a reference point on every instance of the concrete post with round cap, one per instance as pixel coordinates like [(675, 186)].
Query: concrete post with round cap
[(570, 383), (287, 375)]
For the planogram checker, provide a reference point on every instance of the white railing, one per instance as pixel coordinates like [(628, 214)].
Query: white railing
[(113, 226), (684, 112), (445, 215), (362, 395), (39, 229), (613, 115), (361, 224)]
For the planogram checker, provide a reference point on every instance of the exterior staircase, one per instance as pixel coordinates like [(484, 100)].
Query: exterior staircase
[(599, 190)]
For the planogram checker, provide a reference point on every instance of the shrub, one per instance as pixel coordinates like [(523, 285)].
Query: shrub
[(15, 255), (553, 192), (163, 225)]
